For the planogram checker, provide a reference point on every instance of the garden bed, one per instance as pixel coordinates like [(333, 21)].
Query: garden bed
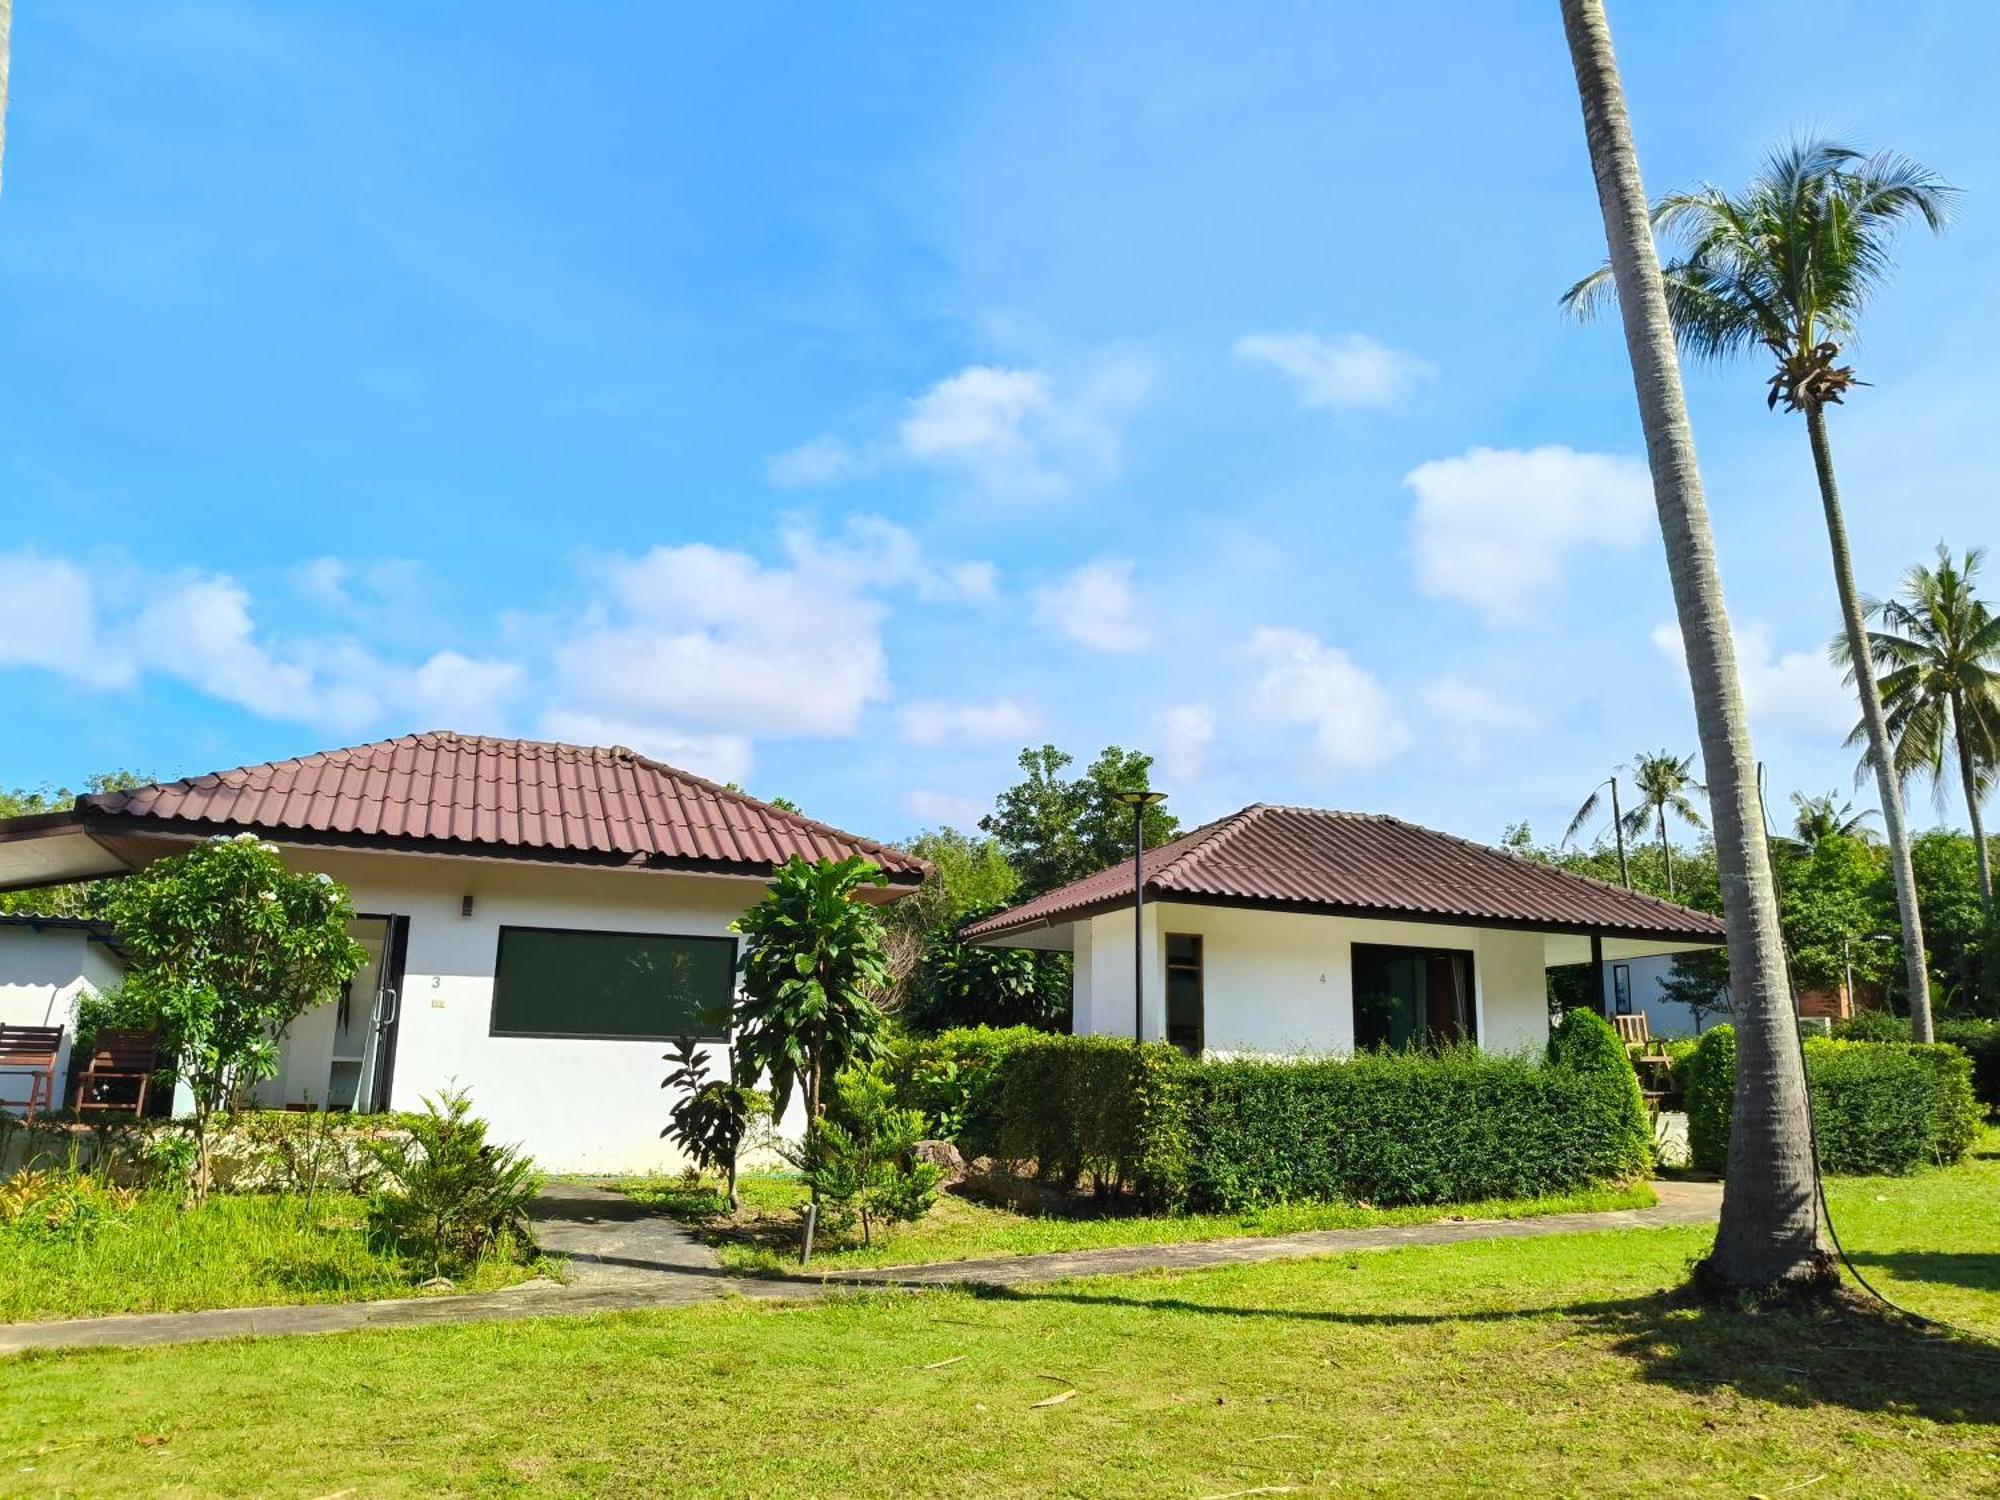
[(764, 1234), (261, 1250)]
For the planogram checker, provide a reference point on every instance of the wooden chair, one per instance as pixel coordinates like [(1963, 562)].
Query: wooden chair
[(119, 1055), (32, 1050), (1633, 1030)]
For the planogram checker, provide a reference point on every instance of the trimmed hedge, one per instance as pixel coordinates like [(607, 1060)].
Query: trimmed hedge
[(952, 1078), (1380, 1128), (1102, 1106), (1878, 1107)]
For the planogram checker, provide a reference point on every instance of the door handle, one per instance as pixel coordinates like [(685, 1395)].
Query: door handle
[(391, 1007)]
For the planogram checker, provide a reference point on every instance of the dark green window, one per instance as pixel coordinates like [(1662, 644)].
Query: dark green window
[(552, 981)]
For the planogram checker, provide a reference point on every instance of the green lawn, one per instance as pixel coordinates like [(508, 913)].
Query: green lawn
[(764, 1236), (1555, 1366), (249, 1251)]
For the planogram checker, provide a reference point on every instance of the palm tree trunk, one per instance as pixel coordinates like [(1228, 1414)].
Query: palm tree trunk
[(1769, 1235), (1666, 851), (1881, 751), (1968, 773)]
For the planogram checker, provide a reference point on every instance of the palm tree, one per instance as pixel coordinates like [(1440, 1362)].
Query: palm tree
[(1818, 818), (1787, 266), (1938, 648), (1768, 1238), (1588, 811), (1664, 781)]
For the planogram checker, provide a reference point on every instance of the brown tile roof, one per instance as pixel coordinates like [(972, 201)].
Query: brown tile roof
[(453, 793), (1360, 864)]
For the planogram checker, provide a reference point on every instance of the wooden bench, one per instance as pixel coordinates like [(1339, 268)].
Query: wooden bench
[(119, 1056), (32, 1050)]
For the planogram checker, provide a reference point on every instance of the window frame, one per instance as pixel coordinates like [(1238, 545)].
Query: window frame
[(1425, 950), (499, 948), (1200, 970)]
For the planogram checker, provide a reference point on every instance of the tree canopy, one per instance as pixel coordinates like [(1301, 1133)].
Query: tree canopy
[(1055, 828)]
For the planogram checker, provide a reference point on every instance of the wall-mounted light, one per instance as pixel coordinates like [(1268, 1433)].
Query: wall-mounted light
[(465, 906)]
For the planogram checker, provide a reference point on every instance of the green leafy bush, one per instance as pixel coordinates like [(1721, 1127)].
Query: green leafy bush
[(1878, 1107), (1413, 1127), (1872, 1026), (1099, 1106), (61, 1205), (952, 1078), (1380, 1128), (446, 1195), (1708, 1079), (858, 1160), (1979, 1040)]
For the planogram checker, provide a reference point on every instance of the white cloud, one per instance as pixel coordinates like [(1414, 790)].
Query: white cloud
[(719, 757), (1786, 692), (715, 645), (874, 553), (1495, 528), (1187, 734), (1347, 370), (1094, 606), (1025, 434), (821, 460), (324, 581), (48, 619), (998, 722), (944, 808), (1306, 682), (1473, 715)]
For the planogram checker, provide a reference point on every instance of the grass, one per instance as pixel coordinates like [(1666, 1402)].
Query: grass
[(764, 1235), (1559, 1366), (249, 1251)]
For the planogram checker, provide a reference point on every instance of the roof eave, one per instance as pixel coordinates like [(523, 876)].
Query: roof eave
[(1088, 910)]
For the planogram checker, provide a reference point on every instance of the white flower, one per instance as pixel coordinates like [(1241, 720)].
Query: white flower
[(267, 895), (323, 878), (244, 838)]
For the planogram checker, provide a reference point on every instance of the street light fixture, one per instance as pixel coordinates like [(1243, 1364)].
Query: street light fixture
[(1139, 801)]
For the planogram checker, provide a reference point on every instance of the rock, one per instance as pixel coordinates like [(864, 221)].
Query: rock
[(944, 1156)]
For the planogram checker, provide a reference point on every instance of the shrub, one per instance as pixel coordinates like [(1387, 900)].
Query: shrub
[(712, 1115), (445, 1193), (1877, 1107), (1382, 1128), (1584, 1044), (1412, 1127), (61, 1205), (1112, 1109), (1979, 1040), (858, 1160), (1872, 1026), (953, 1079), (1709, 1081)]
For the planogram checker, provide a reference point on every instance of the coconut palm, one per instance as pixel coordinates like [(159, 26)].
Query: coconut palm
[(1937, 646), (1663, 782), (1787, 266), (1768, 1237), (1818, 818)]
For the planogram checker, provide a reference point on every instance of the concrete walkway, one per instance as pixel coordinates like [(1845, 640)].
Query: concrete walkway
[(621, 1258)]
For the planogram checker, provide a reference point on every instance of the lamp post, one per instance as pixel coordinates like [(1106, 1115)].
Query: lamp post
[(1847, 960), (1139, 801)]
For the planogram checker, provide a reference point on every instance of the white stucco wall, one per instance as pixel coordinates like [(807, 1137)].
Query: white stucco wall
[(576, 1105), (1664, 1017), (1281, 982), (41, 973)]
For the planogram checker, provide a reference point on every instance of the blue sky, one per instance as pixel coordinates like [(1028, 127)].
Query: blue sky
[(838, 398)]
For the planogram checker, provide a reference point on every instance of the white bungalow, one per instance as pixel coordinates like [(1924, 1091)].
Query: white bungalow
[(1293, 930), (540, 919)]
